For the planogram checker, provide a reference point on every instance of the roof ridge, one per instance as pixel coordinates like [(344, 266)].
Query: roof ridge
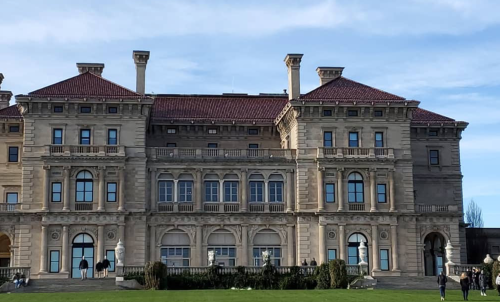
[(378, 89)]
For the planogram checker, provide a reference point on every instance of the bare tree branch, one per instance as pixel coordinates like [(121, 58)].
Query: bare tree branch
[(474, 215)]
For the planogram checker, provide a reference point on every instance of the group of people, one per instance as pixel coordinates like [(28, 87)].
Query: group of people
[(101, 268), (474, 279), (19, 279), (313, 262)]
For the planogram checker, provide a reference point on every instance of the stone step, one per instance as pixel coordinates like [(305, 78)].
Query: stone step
[(68, 285), (420, 283)]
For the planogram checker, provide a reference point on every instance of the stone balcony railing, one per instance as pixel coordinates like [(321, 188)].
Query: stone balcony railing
[(435, 208), (222, 207), (212, 153), (340, 152), (9, 207), (356, 207), (264, 207), (176, 207), (84, 206), (84, 150)]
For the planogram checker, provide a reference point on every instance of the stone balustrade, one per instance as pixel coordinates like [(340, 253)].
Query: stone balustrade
[(213, 153), (9, 207), (340, 152), (435, 208), (8, 272), (84, 150)]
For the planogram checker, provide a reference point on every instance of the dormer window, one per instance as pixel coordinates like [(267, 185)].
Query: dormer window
[(352, 112), (85, 109)]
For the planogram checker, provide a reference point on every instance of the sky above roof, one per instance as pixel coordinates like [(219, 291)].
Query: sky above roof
[(443, 53)]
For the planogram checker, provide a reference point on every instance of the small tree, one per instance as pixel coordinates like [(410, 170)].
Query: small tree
[(474, 215), (338, 273)]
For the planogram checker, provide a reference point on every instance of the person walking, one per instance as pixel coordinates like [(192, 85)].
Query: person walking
[(99, 269), (442, 285), (476, 279), (106, 264), (497, 282), (483, 282), (465, 284), (84, 266)]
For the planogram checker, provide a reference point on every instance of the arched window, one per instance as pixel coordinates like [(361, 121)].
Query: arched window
[(165, 187), (223, 243), (83, 238), (84, 187), (256, 188), (231, 188), (353, 244), (175, 248), (355, 188), (267, 240)]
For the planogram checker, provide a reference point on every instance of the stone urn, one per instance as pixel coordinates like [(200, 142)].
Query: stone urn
[(449, 252), (362, 253), (498, 259), (488, 259), (211, 258), (120, 252)]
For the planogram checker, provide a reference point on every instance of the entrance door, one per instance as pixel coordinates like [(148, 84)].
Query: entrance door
[(434, 254), (83, 246)]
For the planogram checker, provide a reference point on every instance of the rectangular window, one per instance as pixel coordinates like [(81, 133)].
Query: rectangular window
[(352, 112), (230, 191), (253, 146), (256, 191), (327, 113), (171, 145), (327, 139), (175, 256), (274, 252), (384, 260), (381, 193), (378, 113), (353, 139), (110, 255), (332, 254), (12, 198), (56, 191), (14, 128), (57, 136), (85, 109), (171, 131), (275, 191), (434, 157), (253, 131), (112, 188), (165, 191), (112, 110), (433, 132), (185, 191), (211, 191), (54, 262), (212, 131), (329, 193), (13, 154), (379, 139), (112, 137), (212, 145), (58, 109), (84, 136)]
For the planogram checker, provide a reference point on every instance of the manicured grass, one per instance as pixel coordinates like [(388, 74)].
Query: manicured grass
[(250, 296)]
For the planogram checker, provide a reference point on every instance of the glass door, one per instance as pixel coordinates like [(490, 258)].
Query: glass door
[(78, 252)]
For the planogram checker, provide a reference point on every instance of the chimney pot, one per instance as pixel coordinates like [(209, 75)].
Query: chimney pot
[(327, 74), (141, 58), (292, 61), (95, 68), (1, 79)]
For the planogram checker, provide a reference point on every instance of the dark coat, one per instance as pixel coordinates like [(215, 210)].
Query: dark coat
[(99, 267), (106, 264), (482, 280), (83, 264), (314, 263), (465, 283), (442, 280)]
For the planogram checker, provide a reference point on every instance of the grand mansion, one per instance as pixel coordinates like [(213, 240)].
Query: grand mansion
[(86, 162)]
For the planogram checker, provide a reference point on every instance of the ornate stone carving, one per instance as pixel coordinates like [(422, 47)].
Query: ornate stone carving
[(83, 229), (384, 235), (332, 235), (426, 229), (55, 235)]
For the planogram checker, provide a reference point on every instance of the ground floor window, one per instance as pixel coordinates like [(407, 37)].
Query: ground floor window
[(54, 262), (225, 255), (332, 254), (275, 255), (110, 255), (175, 256), (384, 260)]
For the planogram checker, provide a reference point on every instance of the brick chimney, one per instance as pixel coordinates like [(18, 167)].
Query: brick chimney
[(141, 58), (292, 61), (5, 96), (327, 74), (95, 68)]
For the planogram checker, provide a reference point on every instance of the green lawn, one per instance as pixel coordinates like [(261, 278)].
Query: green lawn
[(250, 296)]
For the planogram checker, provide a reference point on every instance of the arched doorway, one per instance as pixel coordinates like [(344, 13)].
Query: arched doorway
[(175, 249), (353, 244), (267, 240), (83, 245), (434, 254), (224, 244), (4, 250)]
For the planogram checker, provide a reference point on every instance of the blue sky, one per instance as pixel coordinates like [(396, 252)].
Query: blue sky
[(444, 53)]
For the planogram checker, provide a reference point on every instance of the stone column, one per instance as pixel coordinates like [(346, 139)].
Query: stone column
[(121, 189), (244, 185), (43, 249), (199, 246), (290, 238), (46, 191), (342, 242), (100, 242), (373, 193), (221, 190), (392, 200), (176, 194), (266, 191), (340, 190), (67, 172), (244, 245), (65, 249), (101, 206), (322, 243), (394, 245), (152, 243), (154, 191), (321, 203), (375, 251), (289, 191), (198, 191)]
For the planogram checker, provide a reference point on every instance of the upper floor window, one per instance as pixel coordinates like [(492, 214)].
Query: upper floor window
[(433, 132), (112, 110), (57, 136), (84, 187), (56, 191), (165, 191), (13, 154), (256, 191), (353, 139), (378, 113), (171, 130), (85, 109), (58, 109), (14, 128), (212, 131), (185, 191), (212, 145), (253, 146), (84, 136), (329, 192), (275, 191), (355, 188), (381, 193), (112, 137), (253, 131), (379, 139), (171, 145), (327, 113), (434, 157), (211, 191), (230, 191), (327, 139), (12, 197), (352, 112), (111, 191)]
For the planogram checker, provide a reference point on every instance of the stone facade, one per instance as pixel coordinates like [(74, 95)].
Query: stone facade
[(112, 165)]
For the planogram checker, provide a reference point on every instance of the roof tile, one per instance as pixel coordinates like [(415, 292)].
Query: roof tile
[(10, 112), (423, 116)]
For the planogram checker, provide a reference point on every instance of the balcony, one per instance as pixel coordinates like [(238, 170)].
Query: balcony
[(84, 206), (221, 207), (334, 152), (9, 207), (264, 207), (435, 208), (176, 207), (84, 150), (224, 154), (356, 207)]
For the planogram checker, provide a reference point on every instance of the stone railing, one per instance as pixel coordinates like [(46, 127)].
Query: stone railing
[(353, 270), (356, 207), (175, 207), (9, 207), (221, 207), (435, 208), (84, 150), (334, 152), (84, 206), (266, 207), (213, 153), (9, 272)]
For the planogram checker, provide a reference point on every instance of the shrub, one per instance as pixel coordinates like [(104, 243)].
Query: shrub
[(139, 277), (338, 273), (323, 278), (487, 268), (494, 273), (155, 275)]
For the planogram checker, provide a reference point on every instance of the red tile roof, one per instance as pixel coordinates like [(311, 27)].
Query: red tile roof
[(343, 89), (85, 85), (222, 108), (422, 116), (10, 112)]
